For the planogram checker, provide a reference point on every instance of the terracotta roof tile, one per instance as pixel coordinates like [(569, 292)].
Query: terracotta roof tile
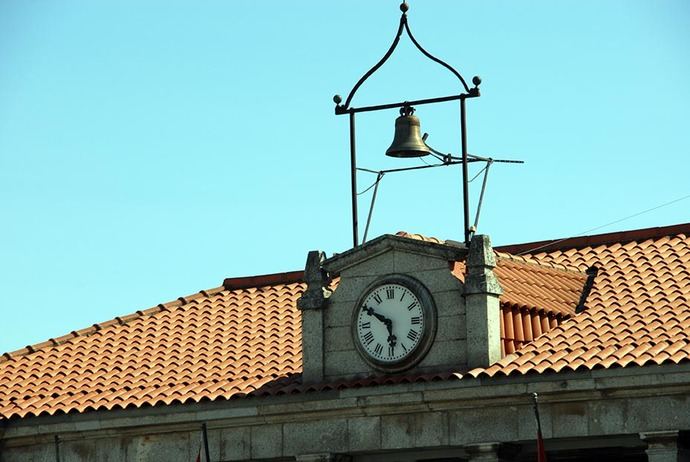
[(638, 309), (530, 284), (244, 338), (219, 343)]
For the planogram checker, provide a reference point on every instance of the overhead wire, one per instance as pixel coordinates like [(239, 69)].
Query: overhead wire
[(605, 225), (378, 179)]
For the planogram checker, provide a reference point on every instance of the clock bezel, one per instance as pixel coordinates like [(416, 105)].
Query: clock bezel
[(428, 333)]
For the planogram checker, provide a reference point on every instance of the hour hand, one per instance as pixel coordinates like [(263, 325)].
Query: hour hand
[(392, 339), (383, 319)]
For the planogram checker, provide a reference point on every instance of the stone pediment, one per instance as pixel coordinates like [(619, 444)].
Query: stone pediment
[(388, 242)]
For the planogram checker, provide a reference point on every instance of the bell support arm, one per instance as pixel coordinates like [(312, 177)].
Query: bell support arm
[(342, 109)]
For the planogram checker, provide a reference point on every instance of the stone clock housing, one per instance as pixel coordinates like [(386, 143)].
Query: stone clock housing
[(394, 305)]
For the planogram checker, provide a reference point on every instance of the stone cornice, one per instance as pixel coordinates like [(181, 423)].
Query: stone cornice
[(467, 394)]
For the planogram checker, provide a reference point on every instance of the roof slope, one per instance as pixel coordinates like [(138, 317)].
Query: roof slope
[(239, 338), (639, 307), (528, 282), (537, 296), (218, 343)]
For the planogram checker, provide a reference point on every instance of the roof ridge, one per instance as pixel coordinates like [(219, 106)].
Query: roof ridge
[(420, 237), (578, 242), (245, 282), (535, 262), (117, 320), (499, 254)]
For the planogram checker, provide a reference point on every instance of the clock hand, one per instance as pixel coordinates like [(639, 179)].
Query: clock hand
[(392, 339), (371, 312)]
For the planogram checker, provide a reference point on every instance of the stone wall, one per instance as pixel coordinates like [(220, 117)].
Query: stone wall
[(578, 410)]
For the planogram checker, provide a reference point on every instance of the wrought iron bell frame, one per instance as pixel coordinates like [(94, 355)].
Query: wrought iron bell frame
[(346, 108)]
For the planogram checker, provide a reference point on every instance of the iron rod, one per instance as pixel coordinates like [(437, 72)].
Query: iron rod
[(378, 64), (57, 448), (472, 157), (465, 183), (404, 169), (353, 179), (535, 398), (205, 436), (481, 195), (362, 169), (371, 207), (434, 58), (339, 110)]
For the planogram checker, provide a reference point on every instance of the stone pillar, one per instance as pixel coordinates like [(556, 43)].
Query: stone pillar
[(312, 304), (483, 313), (323, 457), (663, 446), (483, 452)]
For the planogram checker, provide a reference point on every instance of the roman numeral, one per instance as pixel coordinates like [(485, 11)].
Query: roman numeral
[(412, 335), (390, 293), (379, 349), (391, 350), (412, 306), (403, 347), (366, 325), (416, 320), (402, 296), (377, 297), (368, 337)]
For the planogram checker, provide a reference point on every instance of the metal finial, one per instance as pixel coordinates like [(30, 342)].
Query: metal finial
[(476, 80), (404, 7), (337, 99)]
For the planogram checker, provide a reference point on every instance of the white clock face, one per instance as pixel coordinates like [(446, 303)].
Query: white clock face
[(390, 323)]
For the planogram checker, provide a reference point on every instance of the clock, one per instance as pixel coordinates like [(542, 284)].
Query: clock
[(394, 323)]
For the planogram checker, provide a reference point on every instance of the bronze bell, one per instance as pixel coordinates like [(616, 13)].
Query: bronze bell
[(407, 141)]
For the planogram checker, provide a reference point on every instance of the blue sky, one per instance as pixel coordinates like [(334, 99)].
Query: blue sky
[(150, 149)]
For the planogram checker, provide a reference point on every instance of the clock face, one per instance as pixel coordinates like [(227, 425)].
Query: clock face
[(393, 322)]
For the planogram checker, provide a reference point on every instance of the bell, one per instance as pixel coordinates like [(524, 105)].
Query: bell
[(407, 141)]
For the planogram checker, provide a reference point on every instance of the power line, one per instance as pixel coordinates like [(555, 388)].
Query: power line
[(604, 226)]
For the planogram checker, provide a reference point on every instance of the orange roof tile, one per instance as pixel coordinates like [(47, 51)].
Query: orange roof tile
[(639, 307), (528, 283), (537, 296), (218, 343), (244, 338)]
